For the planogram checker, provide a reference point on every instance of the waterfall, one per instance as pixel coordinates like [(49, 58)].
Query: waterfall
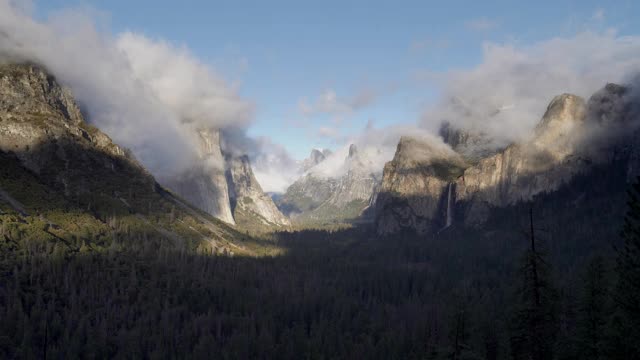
[(449, 219)]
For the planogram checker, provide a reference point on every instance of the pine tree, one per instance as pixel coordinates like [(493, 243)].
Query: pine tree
[(625, 325), (534, 323), (593, 312)]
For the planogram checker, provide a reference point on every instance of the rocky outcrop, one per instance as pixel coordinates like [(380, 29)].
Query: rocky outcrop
[(471, 144), (352, 192), (549, 159), (225, 186), (306, 194), (415, 186), (571, 137), (249, 203), (205, 185), (356, 184), (321, 197), (29, 90), (316, 157), (56, 165), (35, 109), (42, 125)]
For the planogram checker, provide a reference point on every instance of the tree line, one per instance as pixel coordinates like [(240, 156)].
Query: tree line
[(332, 295)]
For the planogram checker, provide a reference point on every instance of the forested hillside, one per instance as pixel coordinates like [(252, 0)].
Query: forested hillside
[(460, 294)]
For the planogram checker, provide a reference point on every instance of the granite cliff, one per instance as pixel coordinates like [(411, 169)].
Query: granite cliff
[(322, 197), (205, 185), (426, 189), (225, 187), (251, 206), (316, 157), (414, 186), (67, 184)]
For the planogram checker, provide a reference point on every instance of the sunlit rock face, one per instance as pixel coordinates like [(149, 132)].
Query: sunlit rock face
[(572, 136), (246, 195), (342, 195), (415, 185), (42, 125), (540, 164), (39, 118), (35, 109), (357, 184)]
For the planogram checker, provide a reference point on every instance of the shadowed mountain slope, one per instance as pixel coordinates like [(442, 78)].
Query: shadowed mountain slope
[(65, 184)]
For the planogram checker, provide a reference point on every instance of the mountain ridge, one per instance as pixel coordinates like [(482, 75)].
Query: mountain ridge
[(66, 183), (571, 136), (331, 193)]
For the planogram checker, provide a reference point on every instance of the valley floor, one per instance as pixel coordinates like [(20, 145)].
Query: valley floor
[(79, 283)]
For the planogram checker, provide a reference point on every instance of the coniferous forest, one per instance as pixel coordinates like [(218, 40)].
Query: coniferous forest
[(334, 294)]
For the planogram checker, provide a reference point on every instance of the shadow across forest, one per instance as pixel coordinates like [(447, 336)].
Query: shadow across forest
[(350, 298), (128, 291), (331, 294)]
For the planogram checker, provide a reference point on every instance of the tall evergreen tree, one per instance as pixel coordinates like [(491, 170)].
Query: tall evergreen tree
[(593, 312), (534, 323), (625, 342)]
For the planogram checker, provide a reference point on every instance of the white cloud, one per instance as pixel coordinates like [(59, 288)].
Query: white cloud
[(507, 94), (273, 166), (148, 93), (375, 146), (24, 6), (140, 91), (191, 89)]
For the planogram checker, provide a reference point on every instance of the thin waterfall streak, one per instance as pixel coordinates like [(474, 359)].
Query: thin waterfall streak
[(449, 219)]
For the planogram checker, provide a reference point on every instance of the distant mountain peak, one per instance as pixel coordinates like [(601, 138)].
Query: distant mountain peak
[(562, 119), (571, 138), (332, 190), (353, 150), (315, 157)]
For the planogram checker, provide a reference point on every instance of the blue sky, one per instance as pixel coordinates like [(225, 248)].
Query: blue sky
[(318, 72)]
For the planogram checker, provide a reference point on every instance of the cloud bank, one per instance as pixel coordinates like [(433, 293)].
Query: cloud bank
[(375, 147), (148, 95), (273, 166), (506, 95), (192, 90)]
